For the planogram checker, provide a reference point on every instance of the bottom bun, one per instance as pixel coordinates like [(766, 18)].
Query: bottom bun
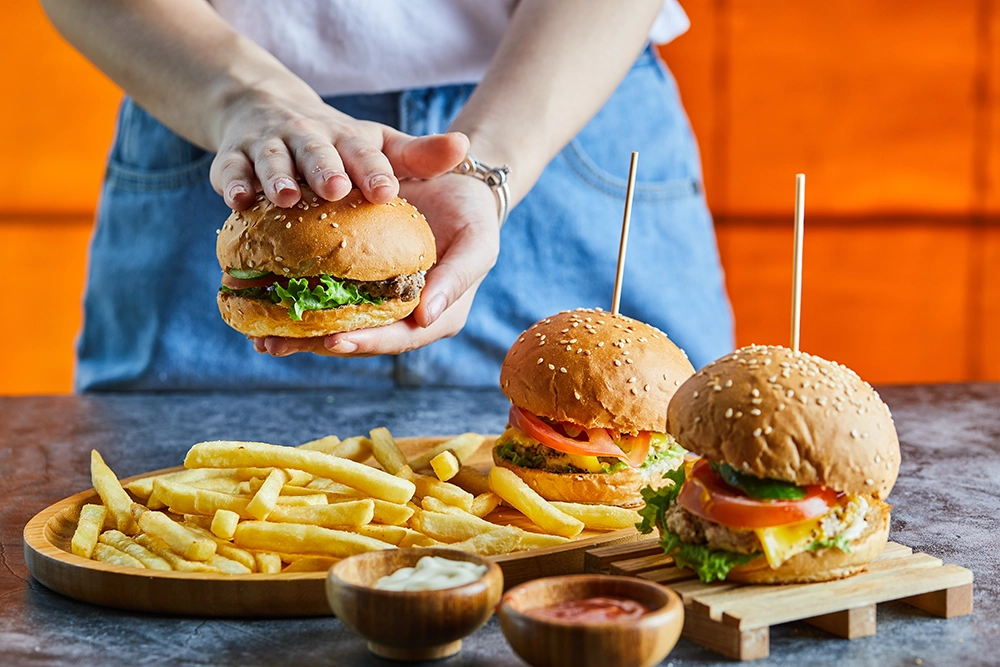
[(622, 488), (825, 564), (259, 318)]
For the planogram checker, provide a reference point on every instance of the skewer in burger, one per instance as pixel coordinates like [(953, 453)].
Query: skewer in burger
[(322, 266), (798, 457), (589, 392)]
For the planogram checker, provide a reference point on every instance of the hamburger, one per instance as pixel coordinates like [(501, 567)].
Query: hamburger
[(588, 392), (798, 456), (321, 266)]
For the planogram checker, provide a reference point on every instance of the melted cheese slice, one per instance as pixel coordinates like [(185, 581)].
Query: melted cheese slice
[(782, 542)]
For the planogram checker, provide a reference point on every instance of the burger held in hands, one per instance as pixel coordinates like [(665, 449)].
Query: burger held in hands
[(798, 457), (589, 392), (321, 267)]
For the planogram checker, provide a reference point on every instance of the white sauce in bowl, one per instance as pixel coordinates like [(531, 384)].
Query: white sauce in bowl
[(431, 573)]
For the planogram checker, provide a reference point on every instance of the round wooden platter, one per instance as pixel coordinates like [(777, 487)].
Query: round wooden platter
[(47, 554)]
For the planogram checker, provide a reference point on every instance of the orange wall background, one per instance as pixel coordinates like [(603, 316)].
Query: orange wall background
[(888, 107)]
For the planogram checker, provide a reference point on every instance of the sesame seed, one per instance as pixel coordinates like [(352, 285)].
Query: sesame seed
[(695, 394), (729, 413), (628, 361), (576, 394), (757, 432), (869, 481), (343, 244), (569, 348), (552, 367), (677, 383), (789, 393), (335, 226), (755, 392), (755, 412), (322, 216), (717, 387), (738, 414), (562, 370), (697, 419), (767, 430), (646, 388), (618, 362), (773, 379), (729, 383), (634, 391), (288, 225), (878, 459), (632, 379)]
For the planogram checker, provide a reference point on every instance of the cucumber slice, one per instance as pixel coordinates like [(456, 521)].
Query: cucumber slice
[(248, 274)]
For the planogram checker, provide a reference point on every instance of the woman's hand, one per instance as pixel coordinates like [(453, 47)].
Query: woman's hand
[(269, 141), (462, 212)]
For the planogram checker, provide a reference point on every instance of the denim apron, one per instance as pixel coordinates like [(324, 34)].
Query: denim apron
[(151, 321)]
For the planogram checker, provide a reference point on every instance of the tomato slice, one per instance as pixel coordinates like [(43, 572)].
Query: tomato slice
[(232, 282), (597, 444), (706, 495), (638, 447)]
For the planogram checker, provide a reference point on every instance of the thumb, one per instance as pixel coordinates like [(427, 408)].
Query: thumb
[(424, 157)]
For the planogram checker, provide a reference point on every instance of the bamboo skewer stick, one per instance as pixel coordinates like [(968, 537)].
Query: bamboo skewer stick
[(616, 300), (800, 202)]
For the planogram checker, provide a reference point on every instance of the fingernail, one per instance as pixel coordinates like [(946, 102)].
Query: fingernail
[(283, 184), (236, 190), (379, 181), (333, 174), (342, 346), (434, 308)]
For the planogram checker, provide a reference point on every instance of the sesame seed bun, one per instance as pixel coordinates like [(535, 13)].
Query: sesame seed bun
[(259, 318), (791, 416), (350, 238), (596, 370)]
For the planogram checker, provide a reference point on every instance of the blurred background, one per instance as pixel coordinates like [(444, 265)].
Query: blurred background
[(888, 108)]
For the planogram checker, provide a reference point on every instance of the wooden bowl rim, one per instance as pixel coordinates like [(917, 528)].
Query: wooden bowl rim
[(477, 587), (651, 618)]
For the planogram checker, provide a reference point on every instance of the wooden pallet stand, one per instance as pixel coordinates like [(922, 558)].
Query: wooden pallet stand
[(735, 619)]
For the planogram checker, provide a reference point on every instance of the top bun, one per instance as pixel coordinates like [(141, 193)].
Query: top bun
[(596, 370), (792, 416), (349, 238)]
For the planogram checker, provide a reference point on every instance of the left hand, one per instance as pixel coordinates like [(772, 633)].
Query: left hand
[(462, 212)]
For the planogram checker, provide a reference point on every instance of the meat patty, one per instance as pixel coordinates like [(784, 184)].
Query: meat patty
[(695, 530), (404, 288)]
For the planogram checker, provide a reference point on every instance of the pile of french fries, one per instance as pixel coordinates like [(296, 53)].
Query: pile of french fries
[(250, 507)]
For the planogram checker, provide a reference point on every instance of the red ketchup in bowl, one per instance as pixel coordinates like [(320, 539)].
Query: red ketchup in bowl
[(601, 609)]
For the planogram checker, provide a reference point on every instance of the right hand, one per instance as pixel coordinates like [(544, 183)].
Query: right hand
[(271, 140)]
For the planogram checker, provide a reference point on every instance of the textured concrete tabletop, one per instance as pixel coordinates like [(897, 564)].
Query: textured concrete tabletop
[(946, 504)]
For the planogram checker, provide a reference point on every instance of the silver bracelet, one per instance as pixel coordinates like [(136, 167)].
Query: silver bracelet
[(493, 177)]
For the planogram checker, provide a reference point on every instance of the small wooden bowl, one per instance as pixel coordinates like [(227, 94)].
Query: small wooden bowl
[(411, 625), (638, 642)]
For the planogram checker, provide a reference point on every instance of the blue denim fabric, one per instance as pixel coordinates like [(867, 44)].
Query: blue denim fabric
[(151, 321)]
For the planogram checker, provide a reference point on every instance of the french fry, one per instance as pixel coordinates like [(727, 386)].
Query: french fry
[(184, 499), (503, 540), (462, 446), (484, 503), (517, 493), (304, 500), (127, 545), (225, 548), (176, 536), (226, 565), (386, 451), (311, 564), (88, 528), (177, 562), (298, 538), (430, 486), (143, 487), (268, 562), (224, 524), (445, 465), (432, 504), (332, 488), (387, 534), (450, 527), (350, 514), (391, 514), (472, 480), (112, 556), (112, 494), (357, 448), (530, 540), (600, 517), (376, 483), (267, 495), (197, 520), (415, 539)]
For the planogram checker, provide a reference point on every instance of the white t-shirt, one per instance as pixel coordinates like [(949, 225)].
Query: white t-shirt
[(372, 46)]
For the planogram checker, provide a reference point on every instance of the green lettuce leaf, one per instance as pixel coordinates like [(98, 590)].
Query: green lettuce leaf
[(298, 298), (839, 541), (755, 487), (709, 564)]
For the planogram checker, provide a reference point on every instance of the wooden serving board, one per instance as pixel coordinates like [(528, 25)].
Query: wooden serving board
[(735, 619), (47, 553)]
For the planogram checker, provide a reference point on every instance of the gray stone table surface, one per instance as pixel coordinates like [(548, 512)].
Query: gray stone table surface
[(946, 504)]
